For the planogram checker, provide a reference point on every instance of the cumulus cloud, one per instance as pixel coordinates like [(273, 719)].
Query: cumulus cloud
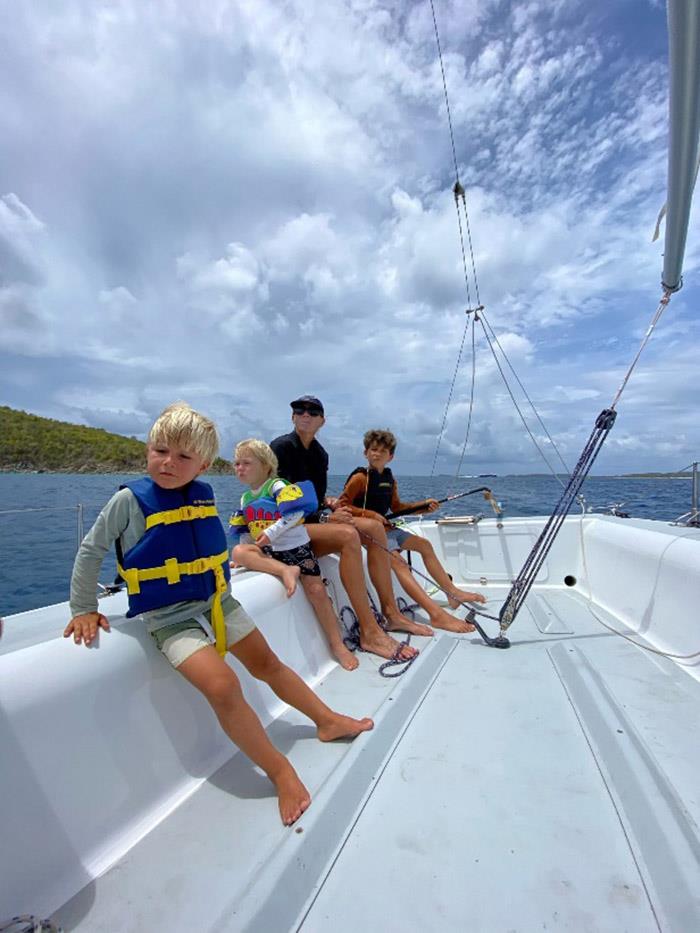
[(241, 202)]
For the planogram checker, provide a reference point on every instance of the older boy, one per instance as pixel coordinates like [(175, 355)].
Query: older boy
[(172, 553), (372, 492), (301, 457)]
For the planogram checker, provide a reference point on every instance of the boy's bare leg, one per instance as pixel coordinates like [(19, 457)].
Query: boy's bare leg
[(438, 617), (251, 557), (323, 607), (210, 674), (378, 562), (342, 538), (455, 597), (261, 661)]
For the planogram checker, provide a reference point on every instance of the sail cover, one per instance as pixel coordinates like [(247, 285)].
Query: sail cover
[(684, 130)]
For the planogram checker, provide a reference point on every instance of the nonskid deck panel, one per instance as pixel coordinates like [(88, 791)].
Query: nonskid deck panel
[(547, 788), (242, 868)]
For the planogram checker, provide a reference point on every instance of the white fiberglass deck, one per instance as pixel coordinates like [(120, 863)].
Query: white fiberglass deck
[(551, 786)]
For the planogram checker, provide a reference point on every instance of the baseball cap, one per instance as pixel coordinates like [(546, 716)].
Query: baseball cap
[(307, 400)]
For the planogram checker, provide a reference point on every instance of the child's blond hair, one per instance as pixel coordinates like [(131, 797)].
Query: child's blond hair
[(260, 450), (381, 438), (181, 425)]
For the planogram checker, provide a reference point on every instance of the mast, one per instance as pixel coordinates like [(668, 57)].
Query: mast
[(684, 130)]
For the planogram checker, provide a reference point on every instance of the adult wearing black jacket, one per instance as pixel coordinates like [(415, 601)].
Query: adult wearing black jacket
[(301, 457)]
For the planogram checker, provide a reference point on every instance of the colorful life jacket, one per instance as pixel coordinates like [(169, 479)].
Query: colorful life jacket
[(379, 491), (183, 555), (259, 511)]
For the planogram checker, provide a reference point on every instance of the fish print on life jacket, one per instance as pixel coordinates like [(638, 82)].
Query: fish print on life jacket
[(260, 510)]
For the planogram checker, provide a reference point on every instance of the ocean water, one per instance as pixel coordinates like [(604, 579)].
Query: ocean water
[(37, 547)]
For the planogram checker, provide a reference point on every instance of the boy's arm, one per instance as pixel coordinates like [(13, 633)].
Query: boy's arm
[(397, 505), (237, 528), (110, 524), (289, 520), (354, 489)]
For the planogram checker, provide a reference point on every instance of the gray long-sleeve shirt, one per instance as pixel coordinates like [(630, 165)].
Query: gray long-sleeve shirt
[(120, 518)]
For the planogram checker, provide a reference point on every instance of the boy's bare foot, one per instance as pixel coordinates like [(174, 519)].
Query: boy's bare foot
[(378, 642), (293, 797), (458, 598), (343, 727), (290, 578), (344, 657), (398, 623), (449, 623)]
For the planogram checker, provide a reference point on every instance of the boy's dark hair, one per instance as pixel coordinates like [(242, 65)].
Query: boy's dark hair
[(381, 439)]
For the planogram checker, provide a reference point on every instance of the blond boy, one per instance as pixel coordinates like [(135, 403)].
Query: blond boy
[(272, 538), (172, 553)]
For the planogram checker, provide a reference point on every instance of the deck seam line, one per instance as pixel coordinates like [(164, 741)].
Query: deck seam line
[(608, 790), (388, 757)]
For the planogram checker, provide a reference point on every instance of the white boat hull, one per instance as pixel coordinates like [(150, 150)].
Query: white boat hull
[(553, 785)]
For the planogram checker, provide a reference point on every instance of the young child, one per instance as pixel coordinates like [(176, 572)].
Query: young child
[(172, 553), (373, 492), (271, 516)]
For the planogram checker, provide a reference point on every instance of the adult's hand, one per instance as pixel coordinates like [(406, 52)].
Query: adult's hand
[(342, 515)]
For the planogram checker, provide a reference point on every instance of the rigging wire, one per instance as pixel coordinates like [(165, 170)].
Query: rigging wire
[(459, 195), (471, 399), (449, 400), (517, 407), (457, 190), (486, 322), (471, 246), (663, 304), (523, 582), (604, 422), (444, 87)]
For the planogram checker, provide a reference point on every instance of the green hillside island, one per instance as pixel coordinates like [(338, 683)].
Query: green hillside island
[(31, 444)]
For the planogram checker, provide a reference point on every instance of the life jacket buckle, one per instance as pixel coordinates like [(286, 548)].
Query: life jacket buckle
[(221, 582), (172, 570), (131, 578)]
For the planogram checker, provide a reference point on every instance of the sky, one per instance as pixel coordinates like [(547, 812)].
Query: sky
[(236, 203)]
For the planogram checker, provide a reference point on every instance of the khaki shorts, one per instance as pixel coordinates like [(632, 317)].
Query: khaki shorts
[(181, 640)]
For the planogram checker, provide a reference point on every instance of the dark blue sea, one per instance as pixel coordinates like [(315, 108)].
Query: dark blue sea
[(37, 547)]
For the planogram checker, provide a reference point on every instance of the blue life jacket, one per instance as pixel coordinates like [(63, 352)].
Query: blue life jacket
[(183, 555)]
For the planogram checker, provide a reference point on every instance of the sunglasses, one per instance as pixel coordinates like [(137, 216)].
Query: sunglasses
[(311, 409)]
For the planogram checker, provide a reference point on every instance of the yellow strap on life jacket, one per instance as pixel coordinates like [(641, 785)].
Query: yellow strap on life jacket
[(186, 513), (172, 570), (217, 613)]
